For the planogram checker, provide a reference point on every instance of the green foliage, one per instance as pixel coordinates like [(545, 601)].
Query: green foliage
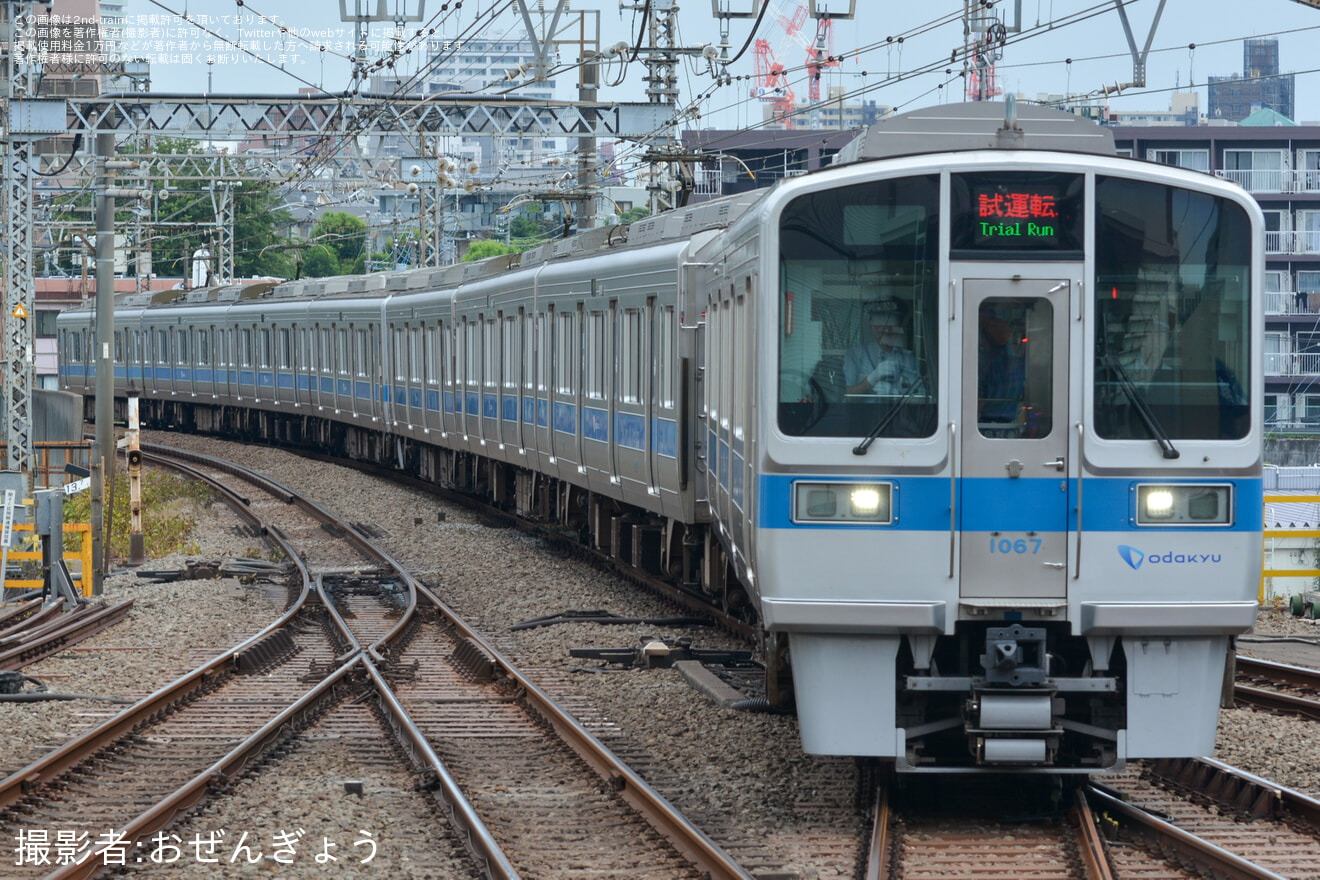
[(258, 233), (168, 503), (480, 250), (319, 263), (343, 233), (632, 215), (523, 226)]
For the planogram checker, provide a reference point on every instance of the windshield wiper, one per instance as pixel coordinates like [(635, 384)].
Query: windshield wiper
[(1143, 409), (860, 448)]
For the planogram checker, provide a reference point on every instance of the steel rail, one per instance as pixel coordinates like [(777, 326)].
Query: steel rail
[(25, 615), (20, 610), (218, 774), (61, 634), (687, 838), (1282, 673), (77, 750), (1188, 847), (162, 454), (1242, 790), (1090, 843), (476, 837), (1267, 699), (878, 856), (549, 532)]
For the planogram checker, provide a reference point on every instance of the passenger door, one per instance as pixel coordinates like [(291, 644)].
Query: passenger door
[(1013, 511)]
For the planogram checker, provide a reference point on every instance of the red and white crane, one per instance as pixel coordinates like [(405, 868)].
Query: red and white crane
[(772, 84)]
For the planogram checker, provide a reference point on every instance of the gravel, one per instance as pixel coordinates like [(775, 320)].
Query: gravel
[(743, 776)]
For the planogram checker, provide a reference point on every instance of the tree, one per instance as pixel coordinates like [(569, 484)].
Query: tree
[(257, 227), (632, 215), (319, 262), (343, 233), (480, 250)]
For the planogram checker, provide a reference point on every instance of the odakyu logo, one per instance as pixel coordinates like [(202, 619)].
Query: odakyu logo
[(1134, 557)]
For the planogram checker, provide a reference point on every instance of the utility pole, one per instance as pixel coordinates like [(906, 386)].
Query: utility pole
[(586, 158), (20, 132), (103, 446)]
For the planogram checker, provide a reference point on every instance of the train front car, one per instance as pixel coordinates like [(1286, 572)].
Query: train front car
[(1008, 497)]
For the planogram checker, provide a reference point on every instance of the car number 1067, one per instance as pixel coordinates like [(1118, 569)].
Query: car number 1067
[(1015, 545)]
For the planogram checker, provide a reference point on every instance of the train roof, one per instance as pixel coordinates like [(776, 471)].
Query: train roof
[(671, 226), (980, 125)]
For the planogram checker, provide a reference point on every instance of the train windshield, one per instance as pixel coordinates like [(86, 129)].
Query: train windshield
[(858, 342), (1172, 329)]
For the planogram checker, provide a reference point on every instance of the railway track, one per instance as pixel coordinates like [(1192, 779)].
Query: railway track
[(1166, 820), (1213, 818), (30, 632), (408, 661), (1278, 687), (547, 779)]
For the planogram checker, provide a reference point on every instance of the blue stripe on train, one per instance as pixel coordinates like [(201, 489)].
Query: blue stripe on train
[(994, 504)]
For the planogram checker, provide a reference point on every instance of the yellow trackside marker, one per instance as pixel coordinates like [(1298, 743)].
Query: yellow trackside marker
[(20, 312)]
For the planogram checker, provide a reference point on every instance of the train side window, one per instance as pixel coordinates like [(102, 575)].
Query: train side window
[(431, 355), (415, 354), (183, 352), (628, 357), (491, 362), (360, 352), (727, 326), (564, 354), (714, 320), (473, 351), (119, 347), (245, 347), (528, 350), (542, 353), (511, 350), (593, 355), (666, 359), (204, 347)]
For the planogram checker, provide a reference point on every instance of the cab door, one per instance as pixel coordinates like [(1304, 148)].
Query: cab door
[(1014, 494)]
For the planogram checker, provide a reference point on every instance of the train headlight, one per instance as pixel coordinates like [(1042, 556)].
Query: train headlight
[(1157, 503), (1184, 504), (869, 503)]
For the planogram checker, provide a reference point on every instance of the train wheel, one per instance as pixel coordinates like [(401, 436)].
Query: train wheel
[(778, 673)]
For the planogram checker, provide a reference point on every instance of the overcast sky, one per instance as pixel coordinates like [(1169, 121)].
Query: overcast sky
[(1091, 34)]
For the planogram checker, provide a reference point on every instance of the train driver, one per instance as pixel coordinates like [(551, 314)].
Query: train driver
[(883, 365)]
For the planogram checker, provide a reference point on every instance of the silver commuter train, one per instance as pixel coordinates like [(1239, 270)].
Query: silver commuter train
[(1026, 547)]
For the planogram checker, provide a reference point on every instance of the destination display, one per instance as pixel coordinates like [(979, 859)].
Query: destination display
[(1016, 214)]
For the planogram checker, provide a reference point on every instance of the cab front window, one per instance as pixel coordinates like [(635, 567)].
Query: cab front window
[(858, 268), (1172, 328)]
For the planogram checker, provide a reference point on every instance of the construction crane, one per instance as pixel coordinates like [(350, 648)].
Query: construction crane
[(772, 84), (985, 34)]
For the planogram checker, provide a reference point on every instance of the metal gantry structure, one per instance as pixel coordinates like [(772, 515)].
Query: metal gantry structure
[(19, 287), (336, 120)]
